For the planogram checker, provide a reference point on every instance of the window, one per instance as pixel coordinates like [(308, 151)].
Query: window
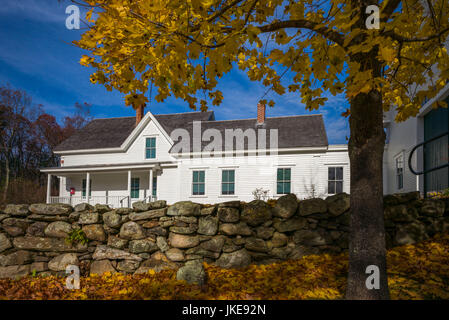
[(399, 172), (84, 188), (135, 188), (154, 191), (227, 181), (283, 180), (335, 180), (198, 183), (150, 148)]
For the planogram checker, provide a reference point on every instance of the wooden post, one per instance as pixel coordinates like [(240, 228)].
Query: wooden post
[(87, 186), (150, 184), (129, 188), (48, 188)]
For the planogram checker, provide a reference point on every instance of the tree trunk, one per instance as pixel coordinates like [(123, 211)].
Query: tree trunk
[(367, 235), (7, 173)]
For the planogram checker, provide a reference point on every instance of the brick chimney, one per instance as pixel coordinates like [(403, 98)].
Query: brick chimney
[(260, 113), (139, 113)]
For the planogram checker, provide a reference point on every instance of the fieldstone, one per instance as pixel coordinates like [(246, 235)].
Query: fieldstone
[(236, 259), (3, 216), (338, 204), (39, 266), (400, 213), (47, 244), (140, 206), (184, 208), (89, 218), (128, 266), (311, 206), (158, 204), (183, 241), (230, 204), (159, 231), (278, 240), (300, 251), (264, 232), (256, 244), (15, 227), (141, 246), (411, 233), (95, 232), (61, 262), (16, 209), (101, 208), (146, 215), (208, 210), (151, 224), (281, 252), (157, 264), (175, 254), (83, 207), (132, 231), (308, 238), (37, 229), (193, 272), (51, 209), (215, 244), (162, 244), (433, 208), (16, 258), (208, 225), (233, 229), (58, 229), (292, 224), (256, 212), (104, 252), (112, 219), (123, 211), (41, 217), (101, 266), (286, 206), (14, 271), (227, 214), (184, 230), (116, 242), (4, 242), (230, 246)]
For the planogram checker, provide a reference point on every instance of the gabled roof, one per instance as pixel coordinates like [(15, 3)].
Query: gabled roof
[(293, 131), (112, 132)]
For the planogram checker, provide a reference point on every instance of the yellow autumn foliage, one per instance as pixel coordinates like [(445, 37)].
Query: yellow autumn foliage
[(419, 271)]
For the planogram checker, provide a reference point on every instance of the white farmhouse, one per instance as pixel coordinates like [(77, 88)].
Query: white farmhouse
[(430, 124), (192, 156)]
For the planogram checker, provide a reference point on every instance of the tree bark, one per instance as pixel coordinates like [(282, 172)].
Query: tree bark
[(367, 235), (7, 173)]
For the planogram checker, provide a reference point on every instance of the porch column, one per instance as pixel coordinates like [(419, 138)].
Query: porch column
[(129, 188), (87, 186), (48, 188), (150, 184)]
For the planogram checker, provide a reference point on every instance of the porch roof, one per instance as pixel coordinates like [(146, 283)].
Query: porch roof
[(108, 167)]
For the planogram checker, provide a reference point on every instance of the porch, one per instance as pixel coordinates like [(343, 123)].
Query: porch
[(116, 187)]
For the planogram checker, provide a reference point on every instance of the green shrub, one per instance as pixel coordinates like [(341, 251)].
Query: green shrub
[(77, 236)]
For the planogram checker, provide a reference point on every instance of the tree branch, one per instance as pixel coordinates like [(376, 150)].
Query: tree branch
[(305, 24), (387, 11), (400, 38)]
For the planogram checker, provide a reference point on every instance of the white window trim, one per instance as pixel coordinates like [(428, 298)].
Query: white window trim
[(145, 146), (205, 184), (221, 183), (397, 156), (335, 165), (275, 193)]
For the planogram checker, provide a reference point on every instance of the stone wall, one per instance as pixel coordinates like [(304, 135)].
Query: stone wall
[(33, 238)]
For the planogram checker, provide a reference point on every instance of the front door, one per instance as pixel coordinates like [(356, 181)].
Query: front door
[(436, 122)]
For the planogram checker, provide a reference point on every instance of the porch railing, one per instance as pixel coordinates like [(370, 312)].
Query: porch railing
[(112, 201)]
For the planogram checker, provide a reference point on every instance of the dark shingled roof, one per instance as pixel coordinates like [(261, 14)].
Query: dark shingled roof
[(293, 131), (112, 132)]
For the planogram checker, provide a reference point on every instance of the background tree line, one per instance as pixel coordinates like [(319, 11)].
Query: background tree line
[(28, 136)]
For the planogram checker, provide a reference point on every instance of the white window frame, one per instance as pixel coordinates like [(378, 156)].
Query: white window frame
[(396, 175), (276, 179), (145, 147), (342, 177), (191, 183), (235, 182)]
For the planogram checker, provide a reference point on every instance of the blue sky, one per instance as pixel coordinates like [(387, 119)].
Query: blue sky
[(36, 55)]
